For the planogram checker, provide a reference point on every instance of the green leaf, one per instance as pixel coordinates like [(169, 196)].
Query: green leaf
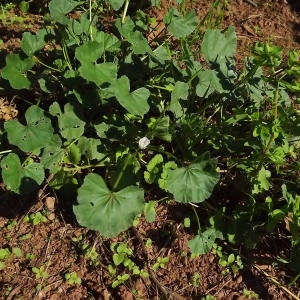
[(4, 253), (99, 73), (150, 212), (14, 71), (31, 43), (161, 129), (17, 251), (106, 211), (53, 155), (138, 43), (203, 242), (59, 8), (33, 136), (216, 46), (21, 179), (73, 154), (70, 121), (208, 83), (180, 91), (116, 4), (107, 42), (154, 169), (195, 182), (181, 26), (89, 51), (135, 102), (91, 148), (24, 6)]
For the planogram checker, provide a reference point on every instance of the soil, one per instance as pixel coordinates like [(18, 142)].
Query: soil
[(53, 243)]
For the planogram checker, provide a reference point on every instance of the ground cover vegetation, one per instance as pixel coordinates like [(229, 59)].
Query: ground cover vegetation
[(127, 117)]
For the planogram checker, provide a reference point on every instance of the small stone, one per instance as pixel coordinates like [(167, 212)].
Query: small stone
[(51, 217), (50, 203)]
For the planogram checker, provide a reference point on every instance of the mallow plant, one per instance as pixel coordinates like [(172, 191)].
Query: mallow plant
[(121, 110)]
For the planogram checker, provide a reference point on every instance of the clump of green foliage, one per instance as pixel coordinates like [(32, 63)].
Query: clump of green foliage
[(119, 112)]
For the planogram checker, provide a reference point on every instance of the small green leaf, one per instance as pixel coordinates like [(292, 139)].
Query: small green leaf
[(195, 182), (203, 242), (135, 102), (180, 91), (53, 155), (33, 136), (150, 212), (105, 211), (70, 121), (4, 253), (17, 251), (187, 222), (31, 43), (181, 26), (21, 179), (73, 154), (15, 69)]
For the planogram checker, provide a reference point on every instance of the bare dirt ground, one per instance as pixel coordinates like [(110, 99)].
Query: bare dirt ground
[(57, 243)]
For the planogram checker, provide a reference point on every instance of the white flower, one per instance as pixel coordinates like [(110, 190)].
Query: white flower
[(144, 142)]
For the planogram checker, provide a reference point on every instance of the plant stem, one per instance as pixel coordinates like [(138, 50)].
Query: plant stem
[(166, 153), (125, 11), (121, 173), (5, 151), (41, 63), (197, 218)]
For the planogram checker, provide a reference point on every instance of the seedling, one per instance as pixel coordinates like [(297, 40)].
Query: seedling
[(250, 294), (40, 272), (231, 262), (72, 278), (196, 279), (160, 263), (35, 218)]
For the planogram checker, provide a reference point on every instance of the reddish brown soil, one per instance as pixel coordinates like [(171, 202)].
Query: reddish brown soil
[(51, 242)]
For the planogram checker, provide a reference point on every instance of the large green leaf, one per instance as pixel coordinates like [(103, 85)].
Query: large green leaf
[(203, 242), (31, 43), (33, 136), (59, 8), (70, 121), (208, 83), (216, 46), (105, 211), (135, 102), (89, 51), (99, 73), (181, 26), (107, 42), (195, 182), (15, 69), (116, 4), (91, 148), (21, 179)]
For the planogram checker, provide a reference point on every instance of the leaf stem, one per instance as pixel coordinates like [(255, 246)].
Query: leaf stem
[(125, 11), (41, 63), (5, 151), (197, 218), (166, 153), (121, 173)]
